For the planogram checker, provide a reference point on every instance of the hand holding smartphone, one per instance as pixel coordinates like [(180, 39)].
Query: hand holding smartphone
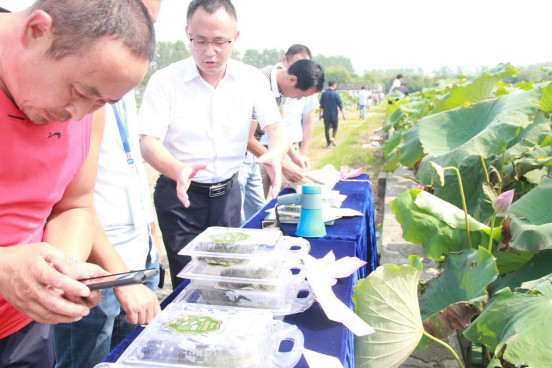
[(120, 279)]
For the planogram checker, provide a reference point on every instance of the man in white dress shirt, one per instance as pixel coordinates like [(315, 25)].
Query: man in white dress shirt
[(194, 122)]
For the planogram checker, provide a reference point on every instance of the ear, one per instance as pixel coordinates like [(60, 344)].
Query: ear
[(284, 61), (236, 35), (38, 29), (292, 79), (186, 30)]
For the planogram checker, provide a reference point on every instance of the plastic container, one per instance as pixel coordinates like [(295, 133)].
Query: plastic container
[(227, 246), (267, 275), (290, 299), (188, 335)]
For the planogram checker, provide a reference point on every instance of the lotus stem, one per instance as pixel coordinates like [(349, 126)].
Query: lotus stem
[(447, 346), (461, 187), (485, 169), (492, 229), (501, 171)]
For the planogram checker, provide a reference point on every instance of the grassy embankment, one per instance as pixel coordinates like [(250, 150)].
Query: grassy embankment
[(353, 142)]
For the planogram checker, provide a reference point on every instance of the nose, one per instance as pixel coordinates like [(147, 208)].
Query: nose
[(79, 109), (210, 50)]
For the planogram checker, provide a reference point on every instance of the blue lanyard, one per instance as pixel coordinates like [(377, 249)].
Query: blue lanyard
[(123, 135)]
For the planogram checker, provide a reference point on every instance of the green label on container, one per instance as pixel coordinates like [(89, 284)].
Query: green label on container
[(229, 237), (194, 324)]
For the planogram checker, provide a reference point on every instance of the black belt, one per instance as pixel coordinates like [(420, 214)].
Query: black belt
[(213, 190)]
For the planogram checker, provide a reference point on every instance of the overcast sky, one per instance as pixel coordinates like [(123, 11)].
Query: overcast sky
[(387, 34)]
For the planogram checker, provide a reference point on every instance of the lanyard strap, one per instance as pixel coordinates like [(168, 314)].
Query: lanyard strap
[(123, 134)]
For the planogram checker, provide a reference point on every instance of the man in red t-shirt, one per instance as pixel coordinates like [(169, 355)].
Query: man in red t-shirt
[(55, 70)]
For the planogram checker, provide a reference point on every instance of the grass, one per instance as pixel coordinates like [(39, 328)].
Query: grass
[(353, 142)]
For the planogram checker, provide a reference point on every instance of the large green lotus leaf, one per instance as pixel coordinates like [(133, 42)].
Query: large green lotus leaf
[(388, 301), (516, 327), (543, 286), (464, 279), (536, 267), (475, 90), (411, 148), (424, 227), (484, 129), (531, 225), (546, 101)]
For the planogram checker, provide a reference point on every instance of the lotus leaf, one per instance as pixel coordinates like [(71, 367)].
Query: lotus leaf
[(388, 301), (485, 129), (546, 101), (535, 268), (475, 90), (435, 224), (465, 278), (543, 286), (531, 225), (516, 327)]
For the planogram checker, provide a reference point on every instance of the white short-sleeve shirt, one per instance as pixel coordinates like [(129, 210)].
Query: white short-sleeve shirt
[(199, 124), (294, 109)]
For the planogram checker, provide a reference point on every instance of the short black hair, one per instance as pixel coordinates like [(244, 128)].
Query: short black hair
[(298, 49), (211, 6), (399, 76), (331, 83), (309, 74), (78, 24)]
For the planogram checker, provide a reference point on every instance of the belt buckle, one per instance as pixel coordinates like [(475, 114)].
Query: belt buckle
[(217, 190)]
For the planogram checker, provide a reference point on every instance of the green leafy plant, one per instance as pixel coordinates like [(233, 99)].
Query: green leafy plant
[(481, 149)]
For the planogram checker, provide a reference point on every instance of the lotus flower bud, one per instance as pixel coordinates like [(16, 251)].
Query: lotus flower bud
[(503, 201)]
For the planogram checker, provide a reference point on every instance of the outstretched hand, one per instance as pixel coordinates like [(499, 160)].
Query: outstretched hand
[(40, 281), (183, 180)]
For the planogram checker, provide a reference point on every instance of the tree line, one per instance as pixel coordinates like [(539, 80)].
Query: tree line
[(340, 69)]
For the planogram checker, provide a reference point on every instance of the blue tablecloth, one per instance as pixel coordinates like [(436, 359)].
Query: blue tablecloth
[(353, 236)]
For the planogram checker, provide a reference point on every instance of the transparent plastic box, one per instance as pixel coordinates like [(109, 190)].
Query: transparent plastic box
[(289, 299), (226, 246), (266, 275), (191, 335)]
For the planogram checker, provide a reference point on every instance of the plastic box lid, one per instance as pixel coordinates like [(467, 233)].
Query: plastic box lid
[(229, 245), (192, 335)]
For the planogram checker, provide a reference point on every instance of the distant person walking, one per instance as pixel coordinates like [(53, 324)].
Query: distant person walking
[(329, 103), (362, 98)]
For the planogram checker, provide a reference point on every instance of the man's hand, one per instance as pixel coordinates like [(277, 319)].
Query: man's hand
[(302, 161), (273, 164), (139, 303), (40, 281), (292, 172), (183, 179)]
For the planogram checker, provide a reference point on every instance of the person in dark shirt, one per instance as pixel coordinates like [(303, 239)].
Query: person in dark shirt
[(329, 103)]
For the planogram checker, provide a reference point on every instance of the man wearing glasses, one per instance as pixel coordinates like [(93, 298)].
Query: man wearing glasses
[(194, 122)]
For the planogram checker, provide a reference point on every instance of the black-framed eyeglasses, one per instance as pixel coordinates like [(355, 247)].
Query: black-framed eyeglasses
[(218, 45)]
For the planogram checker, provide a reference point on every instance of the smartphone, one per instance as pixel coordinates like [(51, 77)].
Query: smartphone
[(120, 279)]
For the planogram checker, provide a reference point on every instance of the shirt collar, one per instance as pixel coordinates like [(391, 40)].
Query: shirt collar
[(191, 70), (274, 81)]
